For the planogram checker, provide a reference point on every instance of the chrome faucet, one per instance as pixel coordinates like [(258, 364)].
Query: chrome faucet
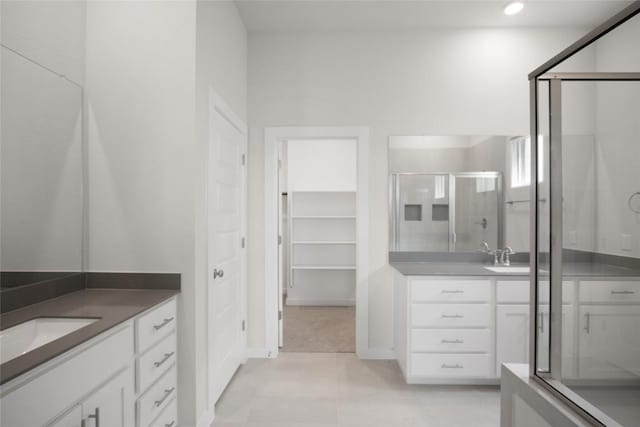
[(496, 252), (505, 256), (500, 256)]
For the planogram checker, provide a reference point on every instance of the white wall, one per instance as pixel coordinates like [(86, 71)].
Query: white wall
[(149, 69), (321, 165), (140, 87), (41, 135), (444, 82)]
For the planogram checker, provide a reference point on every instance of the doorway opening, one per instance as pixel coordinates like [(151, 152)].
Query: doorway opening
[(317, 183)]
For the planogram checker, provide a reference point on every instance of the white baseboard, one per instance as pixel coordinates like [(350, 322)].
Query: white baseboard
[(261, 353), (206, 419), (378, 353), (321, 302)]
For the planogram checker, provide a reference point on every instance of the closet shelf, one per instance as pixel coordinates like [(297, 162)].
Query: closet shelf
[(324, 242), (323, 217), (323, 267)]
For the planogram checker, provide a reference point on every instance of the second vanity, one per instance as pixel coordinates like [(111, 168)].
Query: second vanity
[(117, 370), (457, 323)]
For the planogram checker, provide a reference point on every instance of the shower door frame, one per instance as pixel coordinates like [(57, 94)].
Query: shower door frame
[(394, 204), (551, 379)]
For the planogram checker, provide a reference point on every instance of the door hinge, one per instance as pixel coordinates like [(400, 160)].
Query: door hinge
[(244, 325), (242, 243), (280, 315), (244, 159), (279, 164), (279, 240)]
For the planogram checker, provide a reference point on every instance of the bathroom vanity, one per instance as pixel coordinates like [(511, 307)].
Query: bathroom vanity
[(457, 323), (117, 367)]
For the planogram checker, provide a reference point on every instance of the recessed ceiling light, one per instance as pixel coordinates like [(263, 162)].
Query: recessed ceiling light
[(513, 8)]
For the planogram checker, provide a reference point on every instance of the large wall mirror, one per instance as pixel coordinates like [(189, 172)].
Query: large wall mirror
[(41, 174), (446, 192)]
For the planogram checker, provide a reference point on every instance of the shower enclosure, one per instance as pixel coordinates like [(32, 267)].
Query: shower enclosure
[(585, 272), (445, 212)]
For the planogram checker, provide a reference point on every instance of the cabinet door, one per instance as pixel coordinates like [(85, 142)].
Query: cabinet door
[(609, 342), (73, 418), (112, 404), (512, 334)]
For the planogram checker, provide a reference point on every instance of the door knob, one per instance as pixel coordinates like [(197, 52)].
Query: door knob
[(217, 273)]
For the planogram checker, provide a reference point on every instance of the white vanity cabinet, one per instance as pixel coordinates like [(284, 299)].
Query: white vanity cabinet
[(124, 377), (462, 329)]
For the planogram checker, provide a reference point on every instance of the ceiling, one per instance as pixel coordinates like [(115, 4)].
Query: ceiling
[(399, 15)]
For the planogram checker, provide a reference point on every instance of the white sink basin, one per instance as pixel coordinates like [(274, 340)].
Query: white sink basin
[(505, 269), (27, 336)]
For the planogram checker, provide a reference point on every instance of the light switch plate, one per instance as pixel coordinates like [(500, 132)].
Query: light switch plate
[(625, 242), (572, 238)]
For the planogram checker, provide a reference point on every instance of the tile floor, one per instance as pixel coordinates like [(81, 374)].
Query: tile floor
[(338, 389)]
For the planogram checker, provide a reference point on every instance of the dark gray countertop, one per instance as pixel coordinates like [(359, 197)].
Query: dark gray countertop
[(110, 306), (477, 269)]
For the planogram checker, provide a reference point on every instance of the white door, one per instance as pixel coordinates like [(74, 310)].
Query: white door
[(111, 406), (226, 191), (609, 342), (512, 334)]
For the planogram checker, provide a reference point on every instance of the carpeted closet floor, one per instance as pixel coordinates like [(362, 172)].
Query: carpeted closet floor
[(319, 329)]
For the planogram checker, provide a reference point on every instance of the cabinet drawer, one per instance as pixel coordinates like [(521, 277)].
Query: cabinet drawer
[(152, 403), (169, 417), (155, 362), (450, 290), (450, 340), (450, 365), (610, 291), (517, 291), (155, 324), (450, 315)]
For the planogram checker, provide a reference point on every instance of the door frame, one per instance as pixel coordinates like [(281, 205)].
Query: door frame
[(272, 138), (218, 105)]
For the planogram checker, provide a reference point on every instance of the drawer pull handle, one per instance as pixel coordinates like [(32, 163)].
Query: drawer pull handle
[(167, 393), (170, 424), (456, 341), (452, 316), (623, 292), (456, 366), (166, 357), (457, 291), (164, 323), (96, 416)]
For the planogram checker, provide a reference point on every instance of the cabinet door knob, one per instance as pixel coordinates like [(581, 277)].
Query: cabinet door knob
[(218, 273)]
